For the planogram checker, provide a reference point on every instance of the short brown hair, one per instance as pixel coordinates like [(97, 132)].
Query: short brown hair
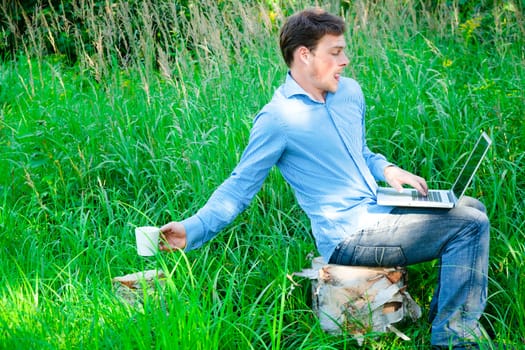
[(306, 28)]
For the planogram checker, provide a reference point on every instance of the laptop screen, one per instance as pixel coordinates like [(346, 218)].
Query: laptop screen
[(472, 164)]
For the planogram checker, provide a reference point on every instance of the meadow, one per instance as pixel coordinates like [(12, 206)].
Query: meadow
[(149, 110)]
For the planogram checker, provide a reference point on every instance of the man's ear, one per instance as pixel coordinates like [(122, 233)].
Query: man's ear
[(303, 54)]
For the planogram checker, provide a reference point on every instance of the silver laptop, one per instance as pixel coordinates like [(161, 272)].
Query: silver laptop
[(409, 197)]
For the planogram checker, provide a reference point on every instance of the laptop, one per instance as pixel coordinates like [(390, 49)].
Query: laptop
[(410, 197)]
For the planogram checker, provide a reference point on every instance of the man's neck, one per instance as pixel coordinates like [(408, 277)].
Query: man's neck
[(302, 80)]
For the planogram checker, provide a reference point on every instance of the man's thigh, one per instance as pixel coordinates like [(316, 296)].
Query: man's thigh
[(406, 236)]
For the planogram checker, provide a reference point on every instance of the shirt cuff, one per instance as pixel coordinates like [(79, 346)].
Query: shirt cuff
[(379, 169), (194, 232)]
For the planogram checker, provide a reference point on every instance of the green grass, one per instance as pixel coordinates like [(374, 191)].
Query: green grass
[(88, 151)]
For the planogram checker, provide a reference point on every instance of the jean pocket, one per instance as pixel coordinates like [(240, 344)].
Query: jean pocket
[(379, 256)]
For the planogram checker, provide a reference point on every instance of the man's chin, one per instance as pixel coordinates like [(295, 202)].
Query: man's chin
[(334, 88)]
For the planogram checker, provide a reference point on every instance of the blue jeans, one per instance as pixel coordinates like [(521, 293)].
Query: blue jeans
[(459, 237)]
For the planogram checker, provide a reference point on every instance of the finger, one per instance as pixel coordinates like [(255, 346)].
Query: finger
[(162, 238), (420, 185), (397, 186), (423, 187), (166, 228), (166, 247), (163, 242)]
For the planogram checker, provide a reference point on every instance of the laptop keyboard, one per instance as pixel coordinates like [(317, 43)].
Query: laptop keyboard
[(432, 196)]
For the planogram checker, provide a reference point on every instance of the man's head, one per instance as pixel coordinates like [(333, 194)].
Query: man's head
[(306, 28), (313, 46)]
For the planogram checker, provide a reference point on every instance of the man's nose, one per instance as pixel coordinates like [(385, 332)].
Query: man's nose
[(344, 60)]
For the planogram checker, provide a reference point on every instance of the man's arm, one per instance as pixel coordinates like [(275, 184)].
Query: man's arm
[(264, 149)]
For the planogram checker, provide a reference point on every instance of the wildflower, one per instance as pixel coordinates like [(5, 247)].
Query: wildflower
[(470, 26), (272, 15)]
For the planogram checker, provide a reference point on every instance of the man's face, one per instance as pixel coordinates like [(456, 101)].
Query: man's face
[(326, 63)]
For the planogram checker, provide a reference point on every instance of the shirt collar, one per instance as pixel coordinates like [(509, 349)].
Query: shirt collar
[(292, 88)]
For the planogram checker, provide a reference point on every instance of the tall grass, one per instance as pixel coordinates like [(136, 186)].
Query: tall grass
[(154, 115)]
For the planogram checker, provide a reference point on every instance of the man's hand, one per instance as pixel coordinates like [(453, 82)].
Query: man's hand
[(397, 177), (173, 237)]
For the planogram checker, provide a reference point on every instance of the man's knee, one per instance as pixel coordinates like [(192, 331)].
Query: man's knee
[(473, 203)]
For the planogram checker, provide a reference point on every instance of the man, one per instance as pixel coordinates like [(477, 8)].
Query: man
[(313, 131)]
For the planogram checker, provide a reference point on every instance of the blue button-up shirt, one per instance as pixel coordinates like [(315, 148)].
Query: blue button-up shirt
[(321, 151)]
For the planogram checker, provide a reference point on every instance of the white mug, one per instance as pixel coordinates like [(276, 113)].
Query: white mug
[(147, 240)]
